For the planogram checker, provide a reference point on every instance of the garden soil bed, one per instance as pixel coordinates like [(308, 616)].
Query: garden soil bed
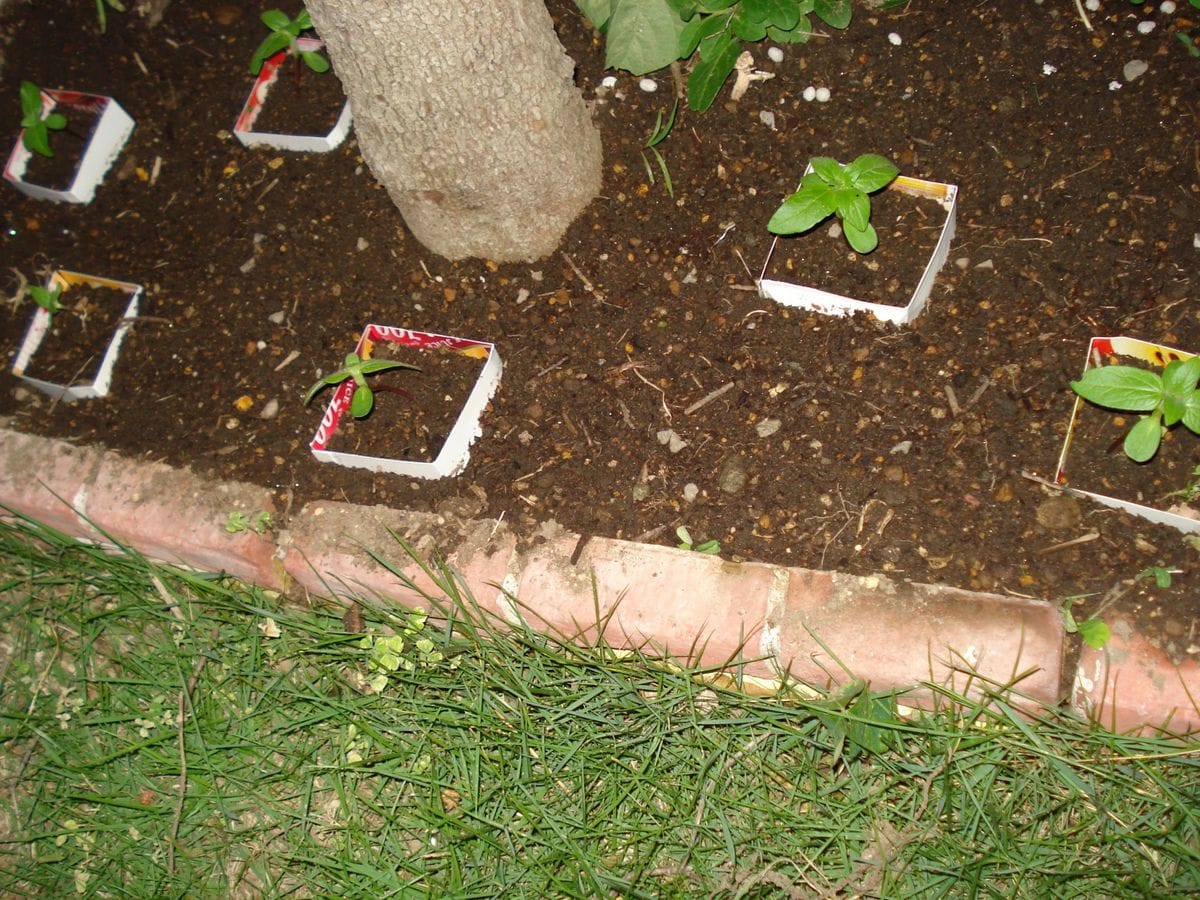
[(842, 444)]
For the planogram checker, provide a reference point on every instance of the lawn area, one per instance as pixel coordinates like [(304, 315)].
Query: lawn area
[(173, 733)]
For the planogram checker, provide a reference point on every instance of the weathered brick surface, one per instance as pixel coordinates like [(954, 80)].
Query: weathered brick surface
[(896, 634), (44, 478), (692, 605), (331, 550), (175, 515), (1130, 683)]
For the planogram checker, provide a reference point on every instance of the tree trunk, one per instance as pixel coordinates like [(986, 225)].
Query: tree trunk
[(468, 116)]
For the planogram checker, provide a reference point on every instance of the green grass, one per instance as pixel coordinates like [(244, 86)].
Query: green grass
[(166, 733)]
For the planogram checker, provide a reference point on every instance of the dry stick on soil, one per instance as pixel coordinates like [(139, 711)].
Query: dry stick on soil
[(1083, 15), (709, 398), (587, 284), (1082, 539)]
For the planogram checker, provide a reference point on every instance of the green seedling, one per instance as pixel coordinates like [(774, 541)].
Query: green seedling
[(284, 32), (102, 12), (239, 523), (657, 136), (1167, 398), (1160, 574), (831, 188), (363, 400), (35, 132), (685, 542), (390, 654), (47, 298), (1093, 630), (1191, 490)]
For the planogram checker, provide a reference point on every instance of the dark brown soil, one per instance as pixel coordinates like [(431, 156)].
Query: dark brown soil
[(838, 444)]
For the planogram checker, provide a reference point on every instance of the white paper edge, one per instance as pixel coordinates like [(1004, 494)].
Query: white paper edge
[(298, 143), (109, 136), (102, 382), (456, 450), (830, 304)]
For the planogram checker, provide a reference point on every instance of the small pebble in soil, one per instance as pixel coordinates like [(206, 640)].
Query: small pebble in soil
[(1093, 5), (823, 95), (1145, 27), (277, 318), (649, 85), (733, 475), (902, 448), (767, 427), (767, 118), (962, 262), (1135, 69), (810, 93), (1114, 85), (775, 54), (894, 39), (1059, 513), (270, 409), (609, 82), (690, 492), (362, 244), (1048, 69), (1166, 7)]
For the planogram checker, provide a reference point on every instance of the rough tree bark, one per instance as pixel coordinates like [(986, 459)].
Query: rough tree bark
[(468, 116)]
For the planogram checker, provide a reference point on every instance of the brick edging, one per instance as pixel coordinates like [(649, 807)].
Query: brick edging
[(760, 618)]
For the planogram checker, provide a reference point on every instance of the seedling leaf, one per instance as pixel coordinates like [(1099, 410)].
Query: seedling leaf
[(718, 56), (1120, 387), (1143, 439), (871, 172)]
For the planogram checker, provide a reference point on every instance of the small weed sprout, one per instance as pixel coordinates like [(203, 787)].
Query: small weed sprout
[(1167, 399), (47, 298), (392, 653), (1093, 630), (363, 400), (284, 33), (35, 132), (835, 189), (657, 136), (685, 542), (239, 523)]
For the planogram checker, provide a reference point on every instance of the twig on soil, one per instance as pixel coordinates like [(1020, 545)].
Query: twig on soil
[(1030, 476), (952, 399), (587, 284), (666, 409), (708, 398), (1083, 15), (288, 360), (1060, 183), (1082, 539), (552, 367), (983, 386)]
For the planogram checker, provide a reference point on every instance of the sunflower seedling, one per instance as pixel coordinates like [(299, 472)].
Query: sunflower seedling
[(36, 130), (830, 188), (1167, 398), (363, 400), (284, 33)]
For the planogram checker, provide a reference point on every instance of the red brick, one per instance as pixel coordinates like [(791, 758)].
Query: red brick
[(42, 478), (1132, 685), (896, 635), (693, 606), (176, 516), (329, 553)]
